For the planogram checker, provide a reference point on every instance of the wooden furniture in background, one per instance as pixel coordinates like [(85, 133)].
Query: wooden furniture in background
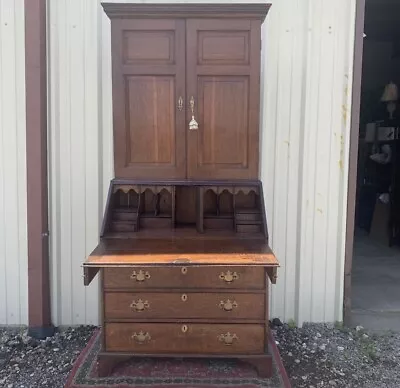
[(183, 255)]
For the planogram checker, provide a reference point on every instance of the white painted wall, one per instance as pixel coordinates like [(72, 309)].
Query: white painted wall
[(13, 227), (306, 78)]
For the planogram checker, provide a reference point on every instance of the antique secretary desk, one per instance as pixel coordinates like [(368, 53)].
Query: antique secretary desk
[(183, 255)]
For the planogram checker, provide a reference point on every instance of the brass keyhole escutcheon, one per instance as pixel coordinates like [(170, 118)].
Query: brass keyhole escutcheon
[(184, 328), (229, 276), (184, 297), (140, 305), (140, 276), (184, 270), (228, 305), (180, 103)]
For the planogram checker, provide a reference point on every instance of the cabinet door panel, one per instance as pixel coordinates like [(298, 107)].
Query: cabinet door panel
[(223, 64), (223, 135), (149, 78), (150, 121)]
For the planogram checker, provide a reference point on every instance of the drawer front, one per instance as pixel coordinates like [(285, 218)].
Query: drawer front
[(185, 277), (184, 338), (119, 305)]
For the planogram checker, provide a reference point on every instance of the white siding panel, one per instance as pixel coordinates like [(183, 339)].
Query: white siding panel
[(306, 89), (13, 217), (76, 156), (305, 187)]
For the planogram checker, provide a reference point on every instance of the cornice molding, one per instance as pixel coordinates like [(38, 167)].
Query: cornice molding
[(129, 10)]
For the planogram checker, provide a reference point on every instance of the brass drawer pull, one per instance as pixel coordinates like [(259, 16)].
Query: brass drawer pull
[(140, 305), (141, 337), (228, 338), (228, 305), (184, 297), (184, 270), (140, 276), (184, 328), (229, 276)]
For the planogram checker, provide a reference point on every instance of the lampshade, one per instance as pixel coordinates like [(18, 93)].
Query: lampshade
[(390, 93)]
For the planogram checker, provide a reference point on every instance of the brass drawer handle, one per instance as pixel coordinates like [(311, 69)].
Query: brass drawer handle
[(184, 297), (228, 338), (184, 328), (140, 305), (141, 337), (140, 276), (228, 305), (229, 276)]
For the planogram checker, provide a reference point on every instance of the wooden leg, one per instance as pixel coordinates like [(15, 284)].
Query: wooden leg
[(107, 363), (263, 365)]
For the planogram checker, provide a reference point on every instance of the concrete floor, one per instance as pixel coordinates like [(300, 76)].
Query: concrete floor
[(375, 285)]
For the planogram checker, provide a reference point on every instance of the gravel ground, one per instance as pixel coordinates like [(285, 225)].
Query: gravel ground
[(314, 356), (28, 363), (334, 356)]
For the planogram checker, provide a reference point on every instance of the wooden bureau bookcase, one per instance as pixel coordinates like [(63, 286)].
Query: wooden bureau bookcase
[(183, 255)]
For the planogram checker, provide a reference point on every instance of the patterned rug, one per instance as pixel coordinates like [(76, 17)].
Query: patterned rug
[(173, 373)]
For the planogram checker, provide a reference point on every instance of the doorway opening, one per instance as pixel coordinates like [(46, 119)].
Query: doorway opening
[(375, 274)]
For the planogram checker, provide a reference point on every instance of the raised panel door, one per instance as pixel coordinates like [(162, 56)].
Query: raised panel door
[(149, 80), (223, 64)]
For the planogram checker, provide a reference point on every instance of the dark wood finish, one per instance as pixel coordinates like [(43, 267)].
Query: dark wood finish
[(148, 78), (36, 162), (186, 205), (185, 338), (184, 305), (184, 253), (223, 74), (165, 11), (263, 364), (89, 273), (247, 277)]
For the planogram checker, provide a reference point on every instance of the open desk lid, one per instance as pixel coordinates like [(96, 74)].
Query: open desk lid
[(180, 251)]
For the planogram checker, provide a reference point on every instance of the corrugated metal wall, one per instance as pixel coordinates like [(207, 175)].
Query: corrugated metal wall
[(13, 230), (306, 78)]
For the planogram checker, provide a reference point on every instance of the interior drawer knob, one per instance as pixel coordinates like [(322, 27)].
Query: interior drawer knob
[(141, 337), (140, 276), (228, 338), (228, 305), (140, 305), (229, 276)]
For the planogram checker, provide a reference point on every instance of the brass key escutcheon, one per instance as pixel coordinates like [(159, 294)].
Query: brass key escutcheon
[(193, 124), (180, 103)]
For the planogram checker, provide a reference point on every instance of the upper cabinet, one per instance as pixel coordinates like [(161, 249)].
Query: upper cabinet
[(186, 90)]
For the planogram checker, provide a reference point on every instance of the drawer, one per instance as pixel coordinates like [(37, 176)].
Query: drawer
[(184, 338), (224, 306), (221, 277)]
